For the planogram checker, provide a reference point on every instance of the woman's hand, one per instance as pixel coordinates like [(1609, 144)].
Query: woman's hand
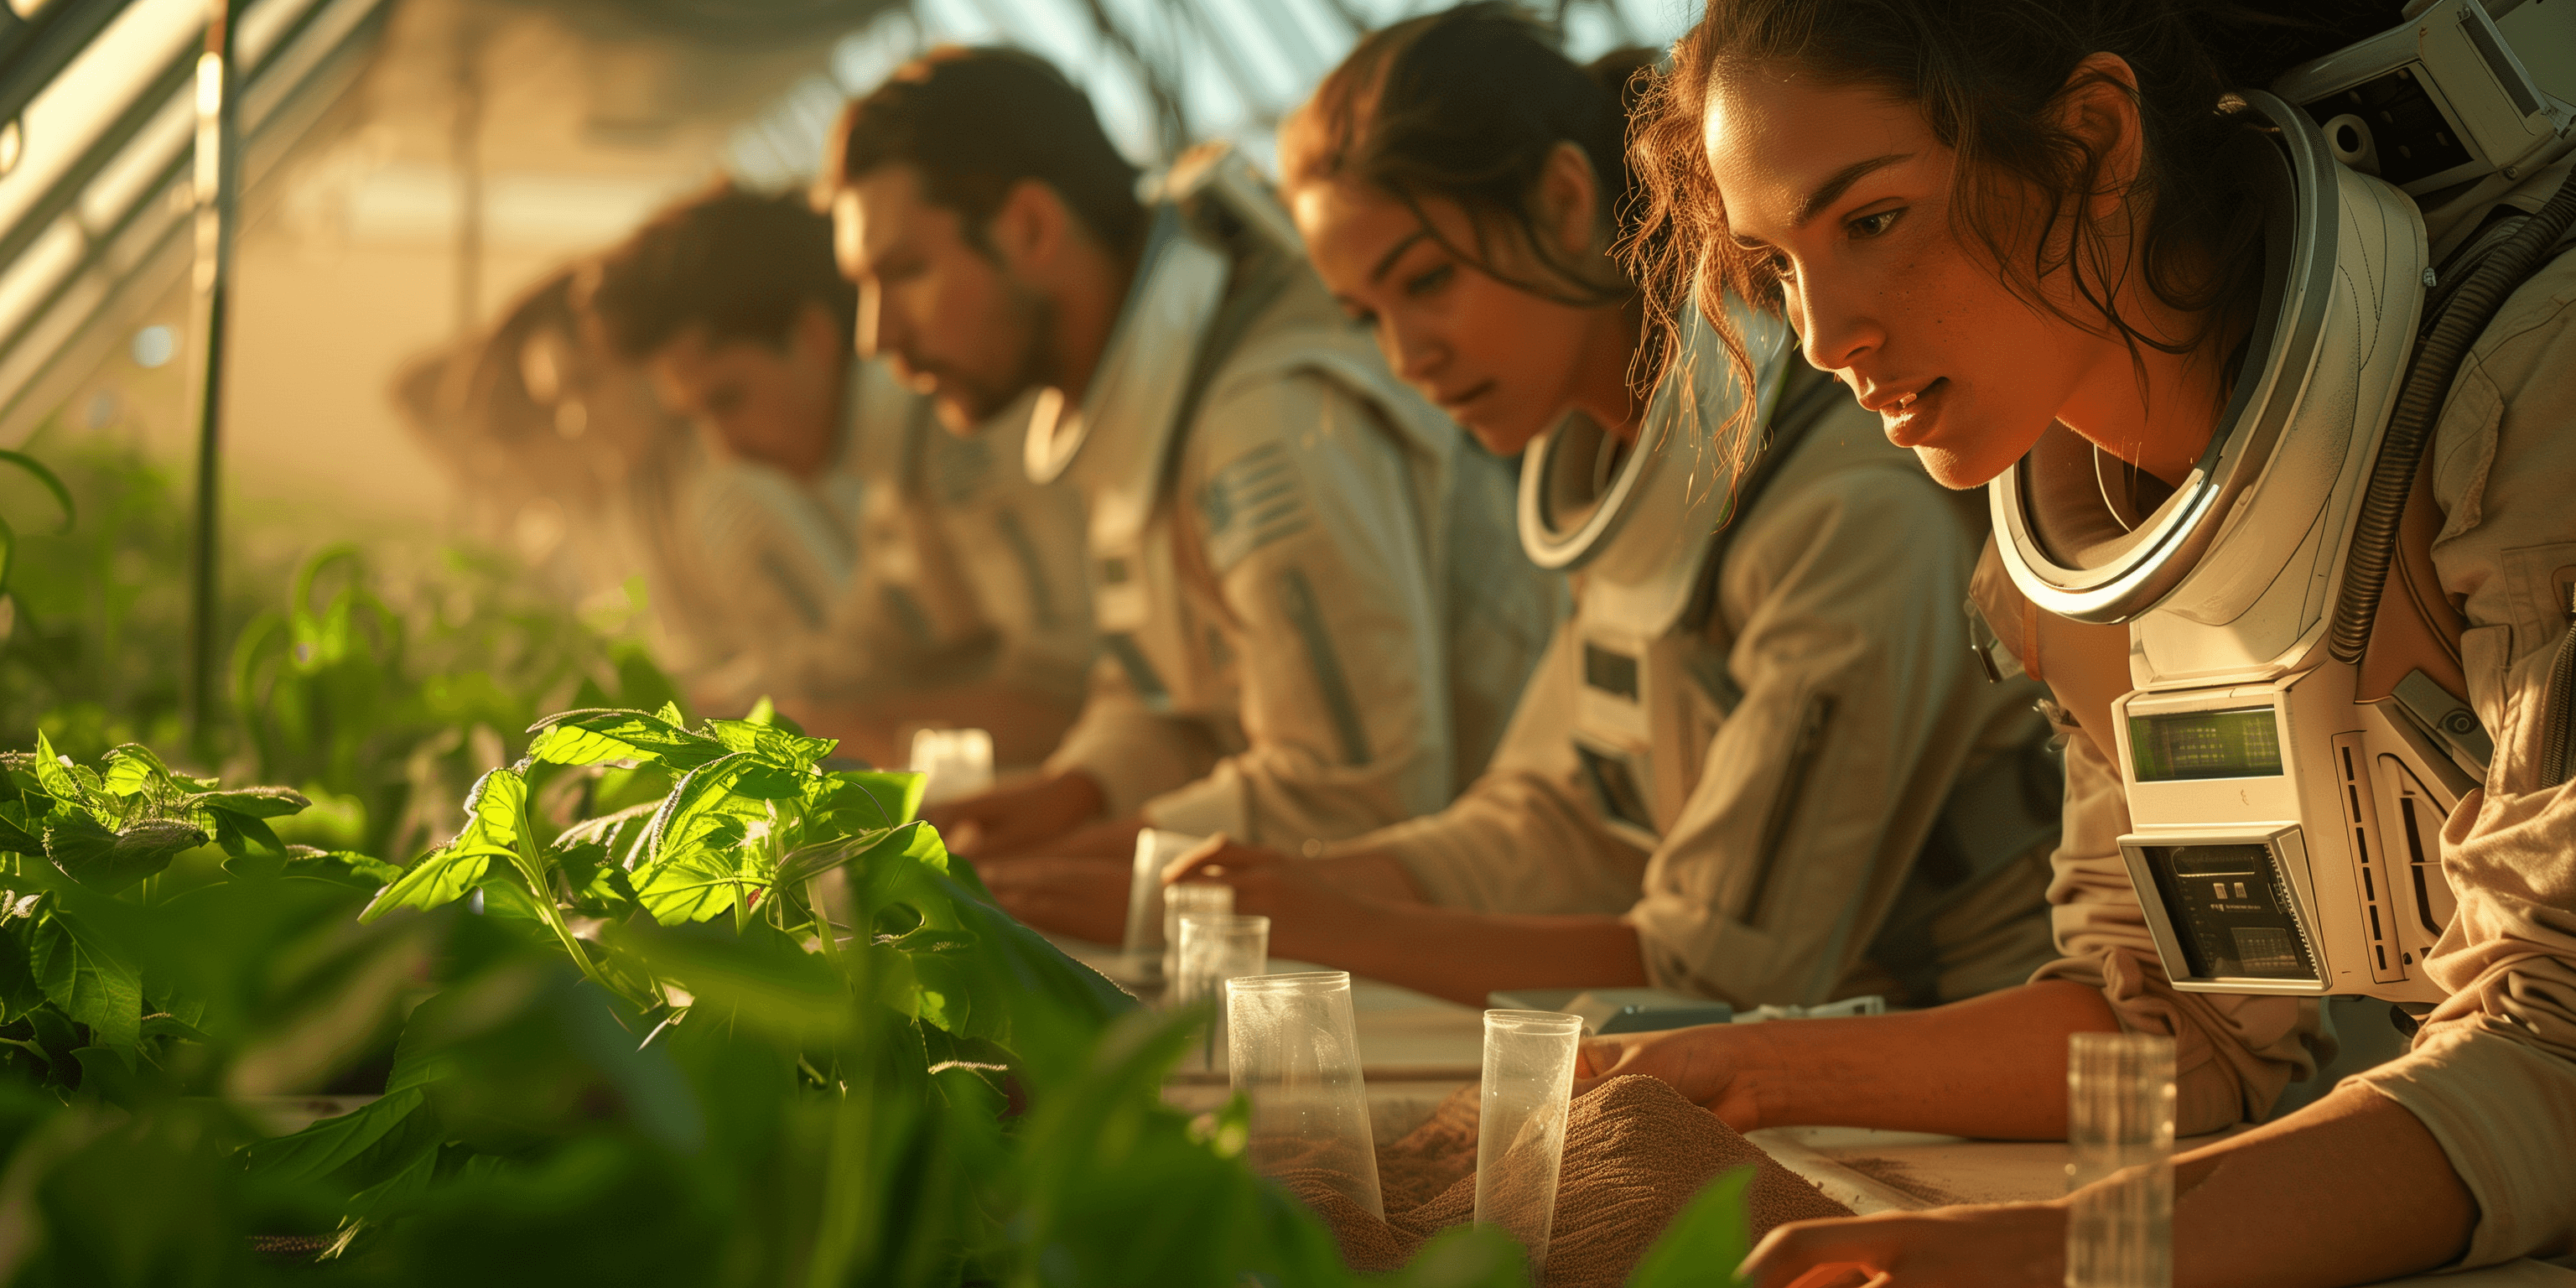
[(1017, 820), (1711, 1065), (2005, 1245), (1310, 915)]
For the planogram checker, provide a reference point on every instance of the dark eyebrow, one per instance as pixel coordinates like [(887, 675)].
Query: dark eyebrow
[(1832, 189), (1387, 261)]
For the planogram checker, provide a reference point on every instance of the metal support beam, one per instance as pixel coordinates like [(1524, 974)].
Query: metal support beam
[(218, 192)]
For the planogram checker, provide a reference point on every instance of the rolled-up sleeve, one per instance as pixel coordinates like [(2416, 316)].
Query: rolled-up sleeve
[(2493, 1071), (1525, 837)]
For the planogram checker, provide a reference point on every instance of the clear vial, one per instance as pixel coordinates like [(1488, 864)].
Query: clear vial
[(2119, 1134)]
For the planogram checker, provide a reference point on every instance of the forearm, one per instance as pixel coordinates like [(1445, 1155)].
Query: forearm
[(2351, 1189), (1463, 956), (1992, 1067)]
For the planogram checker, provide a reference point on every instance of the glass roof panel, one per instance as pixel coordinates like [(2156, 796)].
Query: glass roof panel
[(63, 119), (1232, 67)]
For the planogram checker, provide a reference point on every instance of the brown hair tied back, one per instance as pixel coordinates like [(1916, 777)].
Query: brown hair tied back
[(1466, 105), (1987, 75)]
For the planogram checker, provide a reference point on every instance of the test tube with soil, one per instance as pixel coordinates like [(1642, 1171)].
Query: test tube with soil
[(2119, 1133), (1215, 949), (1207, 898), (1520, 1122), (1294, 1049), (1148, 939)]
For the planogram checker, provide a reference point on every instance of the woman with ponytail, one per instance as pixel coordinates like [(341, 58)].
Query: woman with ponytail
[(2030, 235), (1758, 765)]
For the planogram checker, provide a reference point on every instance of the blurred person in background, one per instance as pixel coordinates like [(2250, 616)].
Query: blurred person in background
[(565, 456), (1760, 764), (1314, 618), (876, 573)]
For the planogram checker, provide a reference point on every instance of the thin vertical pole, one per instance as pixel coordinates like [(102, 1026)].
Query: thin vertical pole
[(218, 199)]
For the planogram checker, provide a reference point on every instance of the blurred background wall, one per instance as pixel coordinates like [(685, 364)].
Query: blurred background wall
[(414, 163)]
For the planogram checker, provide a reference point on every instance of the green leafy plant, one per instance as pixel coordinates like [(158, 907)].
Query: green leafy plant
[(759, 1029)]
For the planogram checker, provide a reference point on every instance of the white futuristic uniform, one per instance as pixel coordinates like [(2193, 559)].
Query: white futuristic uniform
[(1773, 750), (1313, 617), (919, 559), (2492, 1073)]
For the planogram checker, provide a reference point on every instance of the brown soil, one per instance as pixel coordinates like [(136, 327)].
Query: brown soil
[(1635, 1154)]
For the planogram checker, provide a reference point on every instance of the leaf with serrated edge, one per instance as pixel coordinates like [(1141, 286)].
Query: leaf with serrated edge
[(693, 886), (56, 777), (439, 877), (253, 802), (771, 743), (330, 1144), (83, 973), (108, 861), (736, 785), (595, 737)]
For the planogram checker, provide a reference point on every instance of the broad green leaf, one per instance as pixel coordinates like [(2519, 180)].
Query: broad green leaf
[(738, 786), (106, 861), (606, 829), (19, 992), (595, 737), (254, 802), (241, 834), (56, 777), (1706, 1242), (771, 743), (327, 1146), (805, 863), (439, 877), (509, 899), (20, 832), (694, 885), (857, 800), (129, 773), (495, 806), (338, 867), (132, 765), (83, 972), (760, 976)]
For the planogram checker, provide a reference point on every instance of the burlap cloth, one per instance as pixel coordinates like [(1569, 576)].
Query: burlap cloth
[(1635, 1154)]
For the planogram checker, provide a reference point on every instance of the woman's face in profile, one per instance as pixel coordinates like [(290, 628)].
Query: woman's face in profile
[(1846, 195), (1498, 359)]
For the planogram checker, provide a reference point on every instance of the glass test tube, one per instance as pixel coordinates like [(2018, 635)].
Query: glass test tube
[(1520, 1125), (1147, 938), (2120, 1130), (956, 762), (1210, 898), (1213, 949), (1294, 1052)]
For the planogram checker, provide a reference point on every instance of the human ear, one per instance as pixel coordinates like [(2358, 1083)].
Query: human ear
[(814, 335), (1569, 200), (2099, 106), (1028, 230)]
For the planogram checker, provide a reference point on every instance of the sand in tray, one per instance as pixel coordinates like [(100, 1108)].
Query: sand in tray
[(1635, 1154)]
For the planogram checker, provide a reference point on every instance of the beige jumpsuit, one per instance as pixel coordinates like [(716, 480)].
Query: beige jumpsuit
[(2492, 1073), (1846, 579), (1321, 620), (920, 559)]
